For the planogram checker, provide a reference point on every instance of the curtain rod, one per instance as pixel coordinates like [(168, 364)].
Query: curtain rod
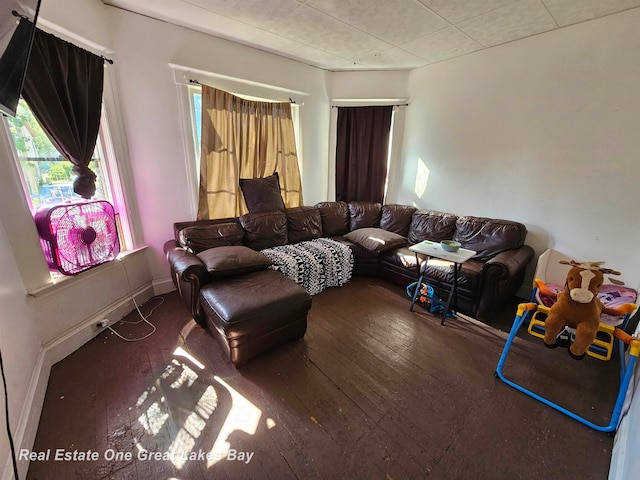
[(389, 105), (24, 17), (196, 82)]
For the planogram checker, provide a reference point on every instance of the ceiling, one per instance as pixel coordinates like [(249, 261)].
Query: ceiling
[(343, 35)]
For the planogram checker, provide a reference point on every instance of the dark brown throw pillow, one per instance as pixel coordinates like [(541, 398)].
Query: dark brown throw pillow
[(233, 260), (264, 230), (199, 238), (303, 223), (262, 194), (376, 239)]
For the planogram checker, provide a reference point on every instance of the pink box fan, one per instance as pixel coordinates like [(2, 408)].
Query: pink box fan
[(78, 236)]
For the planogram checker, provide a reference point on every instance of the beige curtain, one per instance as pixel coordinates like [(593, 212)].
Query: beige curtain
[(244, 139)]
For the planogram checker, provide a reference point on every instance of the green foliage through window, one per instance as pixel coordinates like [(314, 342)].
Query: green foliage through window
[(48, 176)]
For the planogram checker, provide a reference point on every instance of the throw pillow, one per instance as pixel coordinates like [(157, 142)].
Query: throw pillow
[(303, 223), (376, 239), (262, 194), (233, 260), (264, 230), (202, 237)]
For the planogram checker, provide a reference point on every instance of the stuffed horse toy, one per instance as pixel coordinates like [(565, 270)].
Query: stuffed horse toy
[(578, 306)]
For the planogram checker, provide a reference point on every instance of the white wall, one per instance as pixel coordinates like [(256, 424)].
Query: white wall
[(19, 343), (543, 131)]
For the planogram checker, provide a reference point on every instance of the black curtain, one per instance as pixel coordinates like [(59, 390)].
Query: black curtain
[(63, 87), (361, 152), (13, 63)]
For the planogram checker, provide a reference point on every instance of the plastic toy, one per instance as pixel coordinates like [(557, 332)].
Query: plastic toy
[(578, 307)]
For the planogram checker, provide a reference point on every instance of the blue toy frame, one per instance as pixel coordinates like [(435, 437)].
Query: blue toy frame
[(524, 313)]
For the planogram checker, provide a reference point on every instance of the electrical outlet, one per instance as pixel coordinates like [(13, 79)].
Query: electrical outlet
[(103, 323)]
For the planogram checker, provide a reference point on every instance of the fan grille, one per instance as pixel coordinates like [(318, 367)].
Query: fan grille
[(79, 236)]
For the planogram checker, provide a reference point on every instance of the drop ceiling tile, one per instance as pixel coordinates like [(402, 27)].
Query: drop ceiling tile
[(567, 12), (456, 11), (258, 13), (393, 59), (302, 53), (190, 16), (311, 27), (395, 21), (515, 21), (447, 43)]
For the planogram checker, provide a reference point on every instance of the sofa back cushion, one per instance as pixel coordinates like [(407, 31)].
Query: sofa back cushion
[(264, 230), (431, 225), (198, 238), (303, 223), (335, 218), (489, 236), (364, 215), (397, 218)]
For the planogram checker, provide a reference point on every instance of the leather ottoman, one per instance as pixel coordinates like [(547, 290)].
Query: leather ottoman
[(254, 312)]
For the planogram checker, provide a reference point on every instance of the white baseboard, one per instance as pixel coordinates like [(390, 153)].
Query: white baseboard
[(25, 435), (163, 285), (71, 340), (51, 353)]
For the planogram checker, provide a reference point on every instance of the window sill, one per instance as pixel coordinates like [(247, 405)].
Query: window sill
[(60, 282)]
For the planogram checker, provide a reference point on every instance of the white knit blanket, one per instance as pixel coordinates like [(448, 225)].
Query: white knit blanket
[(314, 264)]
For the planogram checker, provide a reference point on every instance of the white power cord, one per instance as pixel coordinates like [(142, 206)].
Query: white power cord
[(142, 317)]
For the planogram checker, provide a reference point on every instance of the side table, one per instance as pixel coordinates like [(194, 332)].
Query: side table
[(434, 249)]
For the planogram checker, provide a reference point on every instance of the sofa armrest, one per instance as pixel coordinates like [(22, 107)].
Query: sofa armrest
[(510, 262), (188, 274), (502, 276)]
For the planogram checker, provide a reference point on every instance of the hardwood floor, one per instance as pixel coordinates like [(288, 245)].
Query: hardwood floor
[(373, 391)]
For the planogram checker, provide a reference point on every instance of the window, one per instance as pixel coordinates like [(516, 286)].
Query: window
[(47, 177)]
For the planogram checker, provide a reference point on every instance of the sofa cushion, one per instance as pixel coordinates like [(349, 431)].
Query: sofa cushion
[(489, 236), (233, 260), (431, 225), (303, 223), (364, 214), (262, 194), (397, 218), (376, 239), (199, 238), (335, 218), (264, 230)]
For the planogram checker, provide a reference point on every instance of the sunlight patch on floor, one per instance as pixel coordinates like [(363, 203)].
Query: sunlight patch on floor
[(158, 420), (243, 416)]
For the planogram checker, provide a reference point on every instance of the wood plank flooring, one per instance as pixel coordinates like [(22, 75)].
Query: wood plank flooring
[(373, 391)]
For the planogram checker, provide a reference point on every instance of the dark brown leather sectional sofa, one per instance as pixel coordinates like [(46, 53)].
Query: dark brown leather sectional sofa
[(484, 285)]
